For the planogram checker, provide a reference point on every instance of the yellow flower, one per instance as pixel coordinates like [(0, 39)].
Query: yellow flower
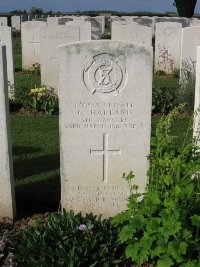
[(39, 95)]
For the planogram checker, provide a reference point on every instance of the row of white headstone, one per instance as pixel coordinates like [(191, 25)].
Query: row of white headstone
[(17, 20), (105, 104), (174, 46), (143, 20)]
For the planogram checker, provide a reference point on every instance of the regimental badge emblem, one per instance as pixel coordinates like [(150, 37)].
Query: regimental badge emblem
[(105, 75)]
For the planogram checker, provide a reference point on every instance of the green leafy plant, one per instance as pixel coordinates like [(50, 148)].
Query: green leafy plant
[(69, 240), (106, 35), (42, 99), (162, 226), (176, 73), (164, 98)]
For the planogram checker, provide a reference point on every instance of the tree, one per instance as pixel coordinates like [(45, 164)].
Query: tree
[(185, 8), (36, 10)]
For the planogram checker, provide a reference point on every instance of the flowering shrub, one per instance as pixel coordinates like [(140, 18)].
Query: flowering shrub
[(2, 247), (43, 99), (162, 228), (8, 240)]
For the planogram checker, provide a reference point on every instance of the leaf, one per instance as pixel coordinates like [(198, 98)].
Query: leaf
[(167, 179), (136, 253), (126, 233), (157, 251), (129, 176), (177, 190), (131, 251), (119, 218), (165, 262), (195, 220)]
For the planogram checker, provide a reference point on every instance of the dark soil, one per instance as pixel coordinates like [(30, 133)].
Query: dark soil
[(25, 111)]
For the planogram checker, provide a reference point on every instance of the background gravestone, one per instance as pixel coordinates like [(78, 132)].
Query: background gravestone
[(167, 46), (196, 125), (24, 18), (30, 32), (131, 32), (85, 29), (51, 38), (189, 41), (16, 23), (7, 193), (184, 21), (6, 39), (105, 92), (98, 26), (3, 21)]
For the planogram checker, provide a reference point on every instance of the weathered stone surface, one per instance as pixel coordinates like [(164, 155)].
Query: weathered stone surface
[(6, 39), (167, 46), (189, 42), (55, 21), (131, 32), (105, 92), (85, 29), (3, 21), (7, 193), (196, 125), (16, 23), (98, 26)]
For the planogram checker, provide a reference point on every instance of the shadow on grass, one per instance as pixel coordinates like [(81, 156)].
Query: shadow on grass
[(20, 150), (38, 197), (25, 167)]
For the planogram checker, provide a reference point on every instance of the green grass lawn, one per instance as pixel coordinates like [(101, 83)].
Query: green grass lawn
[(17, 51), (36, 162)]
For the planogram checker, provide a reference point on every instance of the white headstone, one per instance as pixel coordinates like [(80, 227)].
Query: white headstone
[(85, 29), (105, 91), (196, 125), (3, 21), (24, 18), (189, 42), (30, 32), (194, 22), (31, 17), (51, 38), (132, 33), (16, 23), (145, 21), (40, 19), (98, 26), (167, 46), (7, 192), (52, 21), (184, 21), (55, 21), (6, 39)]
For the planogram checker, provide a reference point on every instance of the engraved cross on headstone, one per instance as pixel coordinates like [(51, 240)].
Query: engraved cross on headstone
[(34, 43), (105, 152)]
